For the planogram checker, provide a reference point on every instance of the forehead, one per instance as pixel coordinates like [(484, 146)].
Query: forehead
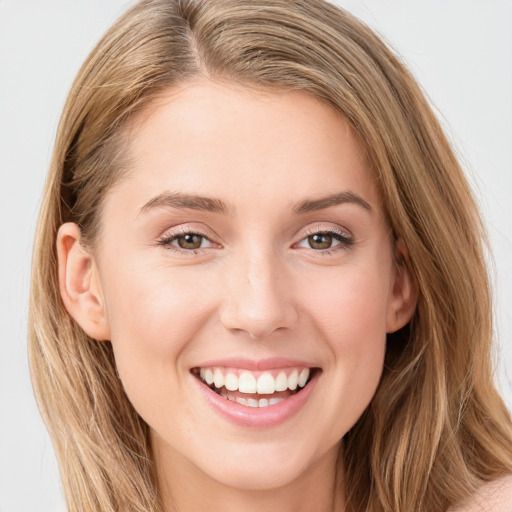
[(222, 140)]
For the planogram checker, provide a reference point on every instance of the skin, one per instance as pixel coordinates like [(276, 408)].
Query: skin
[(495, 496), (258, 287)]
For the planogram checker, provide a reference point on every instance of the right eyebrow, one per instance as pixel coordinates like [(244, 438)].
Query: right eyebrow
[(189, 201)]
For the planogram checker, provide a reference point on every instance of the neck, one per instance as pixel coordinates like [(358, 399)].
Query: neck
[(186, 488)]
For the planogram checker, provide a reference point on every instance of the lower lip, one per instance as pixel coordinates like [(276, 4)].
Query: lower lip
[(259, 417)]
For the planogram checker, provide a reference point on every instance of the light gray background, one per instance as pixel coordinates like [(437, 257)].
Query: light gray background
[(460, 50)]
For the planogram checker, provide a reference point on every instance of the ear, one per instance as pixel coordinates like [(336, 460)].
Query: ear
[(404, 293), (79, 283)]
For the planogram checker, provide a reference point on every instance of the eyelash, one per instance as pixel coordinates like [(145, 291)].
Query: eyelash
[(166, 241), (345, 241)]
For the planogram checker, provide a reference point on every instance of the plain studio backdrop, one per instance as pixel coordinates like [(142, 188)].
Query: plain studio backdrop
[(459, 50)]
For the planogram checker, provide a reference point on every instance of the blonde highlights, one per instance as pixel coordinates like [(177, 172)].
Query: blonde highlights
[(436, 428)]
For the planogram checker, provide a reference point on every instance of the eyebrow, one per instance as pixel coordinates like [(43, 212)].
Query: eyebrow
[(313, 205), (194, 202)]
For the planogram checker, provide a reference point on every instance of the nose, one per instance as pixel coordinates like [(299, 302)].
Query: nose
[(258, 298)]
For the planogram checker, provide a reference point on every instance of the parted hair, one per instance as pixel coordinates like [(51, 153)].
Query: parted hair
[(436, 428)]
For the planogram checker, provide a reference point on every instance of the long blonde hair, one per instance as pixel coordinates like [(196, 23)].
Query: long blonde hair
[(436, 428)]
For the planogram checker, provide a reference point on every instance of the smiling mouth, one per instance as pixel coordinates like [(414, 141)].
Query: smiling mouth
[(255, 389)]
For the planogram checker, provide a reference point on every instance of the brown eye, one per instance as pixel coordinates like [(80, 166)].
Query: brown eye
[(190, 241), (324, 242), (320, 241), (186, 242)]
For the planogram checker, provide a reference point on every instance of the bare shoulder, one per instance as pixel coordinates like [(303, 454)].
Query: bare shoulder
[(496, 496)]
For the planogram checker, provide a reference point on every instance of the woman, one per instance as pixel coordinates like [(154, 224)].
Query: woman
[(258, 278)]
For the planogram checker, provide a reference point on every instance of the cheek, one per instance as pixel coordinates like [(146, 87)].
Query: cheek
[(350, 308), (153, 316), (159, 307), (351, 316)]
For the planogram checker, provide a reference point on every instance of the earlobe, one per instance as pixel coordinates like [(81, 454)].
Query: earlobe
[(404, 293), (79, 283)]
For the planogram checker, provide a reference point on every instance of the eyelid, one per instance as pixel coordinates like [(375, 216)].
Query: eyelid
[(188, 227), (326, 228), (329, 229)]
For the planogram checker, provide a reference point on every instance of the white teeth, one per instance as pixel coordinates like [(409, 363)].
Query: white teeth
[(231, 382), (208, 377), (303, 377), (218, 379), (251, 402), (247, 383), (293, 380), (266, 384), (281, 382)]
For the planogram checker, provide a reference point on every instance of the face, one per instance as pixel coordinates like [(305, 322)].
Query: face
[(246, 274)]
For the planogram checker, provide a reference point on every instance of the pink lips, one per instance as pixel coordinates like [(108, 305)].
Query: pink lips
[(262, 417)]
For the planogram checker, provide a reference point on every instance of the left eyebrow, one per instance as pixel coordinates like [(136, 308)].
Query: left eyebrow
[(313, 205)]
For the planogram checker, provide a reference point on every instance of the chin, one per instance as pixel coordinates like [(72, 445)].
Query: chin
[(258, 472)]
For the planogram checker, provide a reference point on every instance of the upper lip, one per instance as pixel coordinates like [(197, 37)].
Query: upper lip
[(271, 363)]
